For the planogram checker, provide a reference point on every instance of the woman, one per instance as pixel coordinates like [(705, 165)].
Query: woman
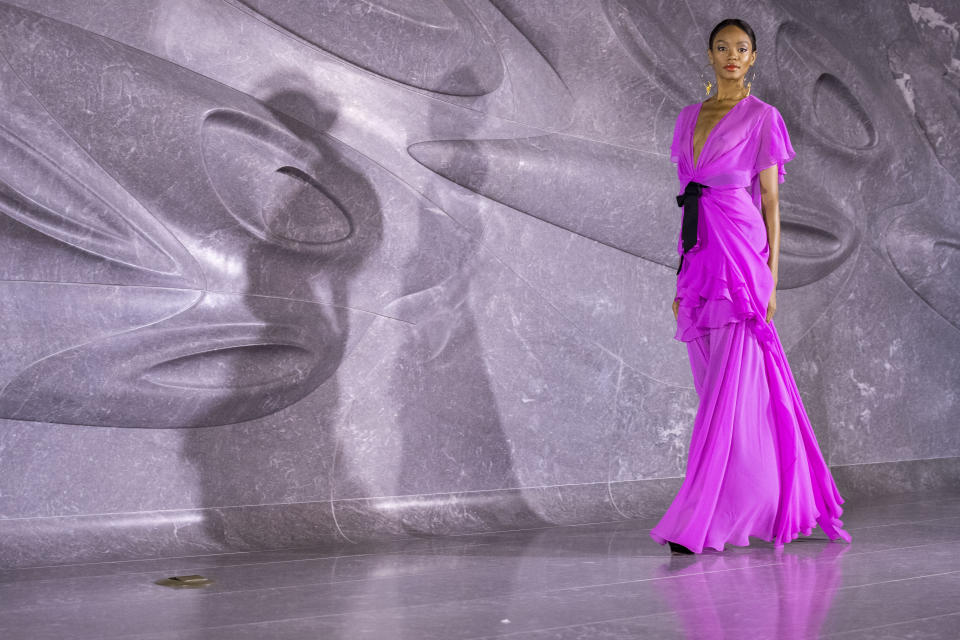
[(754, 466)]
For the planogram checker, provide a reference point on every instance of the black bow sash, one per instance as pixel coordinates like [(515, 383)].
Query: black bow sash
[(690, 201)]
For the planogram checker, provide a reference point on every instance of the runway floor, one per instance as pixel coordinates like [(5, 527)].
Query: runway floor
[(900, 578)]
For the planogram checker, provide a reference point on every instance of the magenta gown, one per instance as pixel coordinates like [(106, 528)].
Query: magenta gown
[(754, 466)]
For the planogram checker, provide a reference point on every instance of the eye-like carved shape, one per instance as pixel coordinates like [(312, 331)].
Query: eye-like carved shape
[(43, 319), (840, 115), (808, 240), (298, 209), (828, 80), (815, 242), (926, 255), (431, 44), (262, 174), (233, 367), (227, 359)]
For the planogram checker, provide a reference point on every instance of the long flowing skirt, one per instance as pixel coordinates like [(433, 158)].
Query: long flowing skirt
[(754, 467)]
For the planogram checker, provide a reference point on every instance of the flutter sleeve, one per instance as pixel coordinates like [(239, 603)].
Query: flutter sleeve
[(677, 135), (774, 146)]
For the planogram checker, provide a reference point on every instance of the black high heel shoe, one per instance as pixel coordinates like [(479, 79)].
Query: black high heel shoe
[(679, 549)]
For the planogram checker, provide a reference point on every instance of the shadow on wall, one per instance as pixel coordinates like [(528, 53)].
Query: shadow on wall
[(450, 431), (452, 436), (326, 219), (318, 221)]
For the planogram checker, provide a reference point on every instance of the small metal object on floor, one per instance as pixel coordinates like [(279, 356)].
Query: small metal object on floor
[(184, 582)]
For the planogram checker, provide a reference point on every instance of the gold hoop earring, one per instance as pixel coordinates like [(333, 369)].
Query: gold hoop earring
[(750, 83), (708, 84)]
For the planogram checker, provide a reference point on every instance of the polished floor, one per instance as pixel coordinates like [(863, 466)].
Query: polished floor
[(900, 578)]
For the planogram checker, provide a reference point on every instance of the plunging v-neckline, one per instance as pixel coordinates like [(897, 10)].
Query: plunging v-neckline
[(696, 118)]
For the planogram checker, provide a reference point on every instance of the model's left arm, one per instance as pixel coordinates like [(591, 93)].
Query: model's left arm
[(773, 151), (770, 200)]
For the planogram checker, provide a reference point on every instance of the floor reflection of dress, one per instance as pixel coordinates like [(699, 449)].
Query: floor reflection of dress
[(738, 596)]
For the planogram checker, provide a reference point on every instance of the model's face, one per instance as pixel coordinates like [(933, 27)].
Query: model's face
[(732, 53)]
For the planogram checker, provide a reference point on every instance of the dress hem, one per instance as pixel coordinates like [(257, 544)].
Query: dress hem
[(836, 526)]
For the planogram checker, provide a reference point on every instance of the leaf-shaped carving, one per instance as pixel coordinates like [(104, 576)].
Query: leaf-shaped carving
[(228, 359), (828, 82), (56, 197), (653, 42), (437, 45), (553, 178), (39, 193)]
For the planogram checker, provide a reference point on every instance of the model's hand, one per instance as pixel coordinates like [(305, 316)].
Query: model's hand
[(772, 305), (676, 309)]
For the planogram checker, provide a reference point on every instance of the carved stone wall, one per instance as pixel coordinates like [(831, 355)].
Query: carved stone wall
[(281, 272)]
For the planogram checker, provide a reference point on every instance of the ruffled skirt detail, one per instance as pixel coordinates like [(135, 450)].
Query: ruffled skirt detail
[(714, 292)]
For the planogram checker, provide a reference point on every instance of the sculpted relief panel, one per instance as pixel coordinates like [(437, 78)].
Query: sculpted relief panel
[(456, 218)]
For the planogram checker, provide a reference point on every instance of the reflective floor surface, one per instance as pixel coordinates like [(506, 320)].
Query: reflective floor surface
[(900, 578)]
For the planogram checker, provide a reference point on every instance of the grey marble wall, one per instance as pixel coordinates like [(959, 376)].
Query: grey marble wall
[(275, 273)]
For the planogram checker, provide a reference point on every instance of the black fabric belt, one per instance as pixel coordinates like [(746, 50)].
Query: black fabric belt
[(690, 201)]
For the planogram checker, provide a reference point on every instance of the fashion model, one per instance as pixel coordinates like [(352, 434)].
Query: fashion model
[(754, 466)]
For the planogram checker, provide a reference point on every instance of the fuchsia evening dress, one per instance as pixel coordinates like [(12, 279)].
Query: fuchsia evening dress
[(754, 466)]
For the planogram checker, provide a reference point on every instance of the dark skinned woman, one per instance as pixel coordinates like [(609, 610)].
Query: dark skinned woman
[(754, 468)]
